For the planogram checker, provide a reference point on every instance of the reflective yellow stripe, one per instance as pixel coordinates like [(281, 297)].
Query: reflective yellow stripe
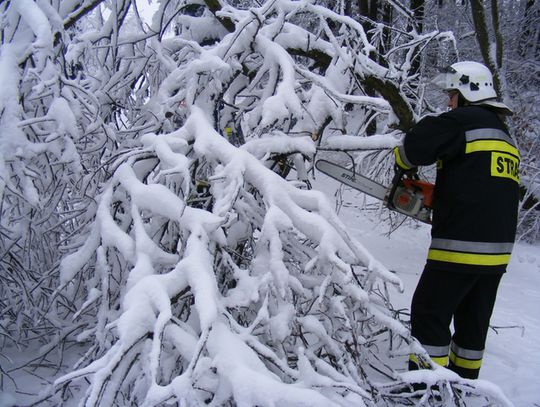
[(399, 160), (442, 361), (416, 360), (465, 363), (491, 145), (469, 258)]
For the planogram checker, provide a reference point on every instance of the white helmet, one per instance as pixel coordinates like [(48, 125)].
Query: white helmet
[(472, 79)]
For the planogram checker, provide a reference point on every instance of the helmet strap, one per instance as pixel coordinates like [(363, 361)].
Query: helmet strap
[(462, 101)]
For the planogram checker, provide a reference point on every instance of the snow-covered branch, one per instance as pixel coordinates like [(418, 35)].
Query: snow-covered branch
[(156, 210)]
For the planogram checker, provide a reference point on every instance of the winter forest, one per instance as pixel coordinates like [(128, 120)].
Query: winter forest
[(161, 241)]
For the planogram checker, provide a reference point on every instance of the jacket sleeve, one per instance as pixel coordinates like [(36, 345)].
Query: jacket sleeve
[(432, 139)]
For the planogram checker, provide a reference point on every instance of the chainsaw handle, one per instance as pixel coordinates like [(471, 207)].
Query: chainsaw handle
[(425, 187), (398, 174), (412, 182)]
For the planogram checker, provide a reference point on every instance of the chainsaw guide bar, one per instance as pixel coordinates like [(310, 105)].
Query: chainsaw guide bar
[(409, 197), (352, 179)]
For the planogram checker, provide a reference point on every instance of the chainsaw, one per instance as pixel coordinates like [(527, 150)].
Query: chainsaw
[(406, 194)]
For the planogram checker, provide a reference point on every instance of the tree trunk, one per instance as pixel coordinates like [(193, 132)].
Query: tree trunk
[(498, 36), (347, 7), (368, 8), (387, 34), (363, 8), (482, 35), (529, 38), (418, 9)]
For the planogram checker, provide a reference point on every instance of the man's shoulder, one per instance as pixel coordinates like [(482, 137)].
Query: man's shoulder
[(472, 115), (459, 120), (446, 119)]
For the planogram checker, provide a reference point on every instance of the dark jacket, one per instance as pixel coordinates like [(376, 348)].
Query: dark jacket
[(476, 191)]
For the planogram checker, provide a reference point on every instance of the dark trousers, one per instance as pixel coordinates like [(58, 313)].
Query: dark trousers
[(469, 299)]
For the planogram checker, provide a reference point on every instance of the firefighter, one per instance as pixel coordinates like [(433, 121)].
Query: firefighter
[(474, 217)]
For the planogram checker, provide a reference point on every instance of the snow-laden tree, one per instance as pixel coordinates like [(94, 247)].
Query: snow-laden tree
[(197, 273), (54, 139)]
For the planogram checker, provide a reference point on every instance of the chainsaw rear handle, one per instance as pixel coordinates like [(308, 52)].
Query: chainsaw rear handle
[(425, 187), (398, 174)]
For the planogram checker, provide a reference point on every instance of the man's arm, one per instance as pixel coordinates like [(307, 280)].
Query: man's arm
[(432, 139)]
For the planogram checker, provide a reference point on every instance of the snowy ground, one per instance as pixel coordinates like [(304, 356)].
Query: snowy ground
[(512, 357)]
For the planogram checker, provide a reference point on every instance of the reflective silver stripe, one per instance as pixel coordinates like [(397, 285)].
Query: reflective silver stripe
[(437, 351), (488, 134), (403, 157), (467, 353), (471, 247)]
